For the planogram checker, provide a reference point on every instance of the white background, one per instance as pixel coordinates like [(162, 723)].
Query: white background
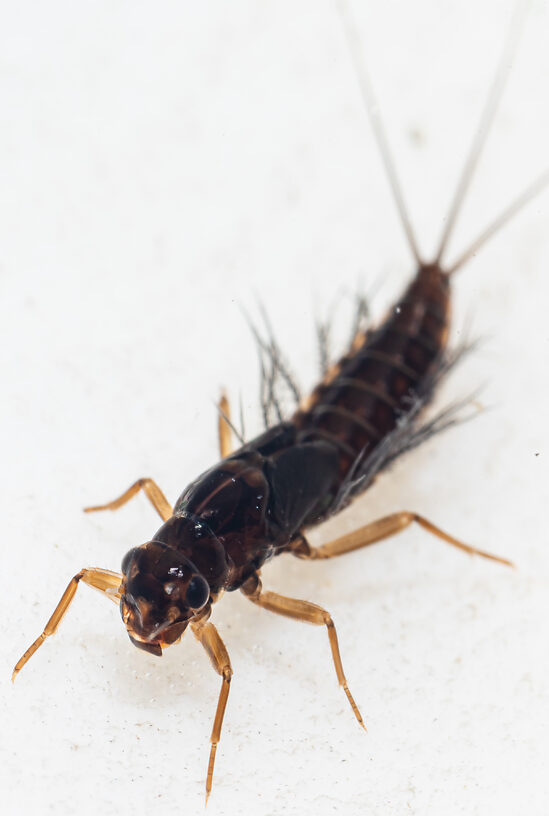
[(162, 166)]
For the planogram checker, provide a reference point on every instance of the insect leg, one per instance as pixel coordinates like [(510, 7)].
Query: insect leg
[(379, 530), (303, 611), (210, 639), (102, 579), (224, 427), (153, 492)]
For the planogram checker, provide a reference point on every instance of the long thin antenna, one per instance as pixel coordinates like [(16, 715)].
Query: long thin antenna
[(486, 120), (372, 109), (500, 221)]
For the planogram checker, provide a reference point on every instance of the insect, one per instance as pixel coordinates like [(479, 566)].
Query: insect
[(259, 501)]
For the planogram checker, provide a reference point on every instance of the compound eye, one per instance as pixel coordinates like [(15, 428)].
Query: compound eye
[(128, 559), (198, 592)]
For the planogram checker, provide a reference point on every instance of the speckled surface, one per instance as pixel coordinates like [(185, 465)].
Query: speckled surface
[(162, 165)]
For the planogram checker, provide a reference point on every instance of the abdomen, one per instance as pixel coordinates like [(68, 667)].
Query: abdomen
[(365, 395)]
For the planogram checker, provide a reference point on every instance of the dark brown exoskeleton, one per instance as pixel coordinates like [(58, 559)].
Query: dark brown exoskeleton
[(259, 500)]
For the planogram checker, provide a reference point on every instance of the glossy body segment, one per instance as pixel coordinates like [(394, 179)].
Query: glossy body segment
[(252, 505), (362, 398)]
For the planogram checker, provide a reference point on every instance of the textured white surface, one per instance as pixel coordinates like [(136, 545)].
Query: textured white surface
[(161, 165)]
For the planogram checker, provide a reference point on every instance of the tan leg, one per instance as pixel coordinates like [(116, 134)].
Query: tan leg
[(303, 611), (209, 637), (379, 530), (224, 428), (150, 488), (104, 580)]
